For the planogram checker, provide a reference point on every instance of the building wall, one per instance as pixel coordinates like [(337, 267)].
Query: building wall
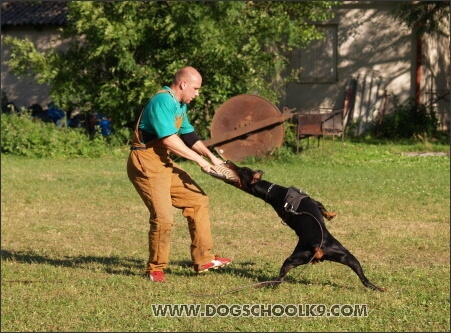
[(25, 91), (435, 76), (371, 47), (379, 52)]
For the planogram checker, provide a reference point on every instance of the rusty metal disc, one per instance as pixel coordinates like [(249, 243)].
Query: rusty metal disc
[(240, 114)]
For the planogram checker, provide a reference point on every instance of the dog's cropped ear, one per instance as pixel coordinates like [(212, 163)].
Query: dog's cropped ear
[(257, 176)]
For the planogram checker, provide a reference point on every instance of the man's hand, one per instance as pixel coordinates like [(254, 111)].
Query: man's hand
[(216, 161), (207, 168), (200, 148)]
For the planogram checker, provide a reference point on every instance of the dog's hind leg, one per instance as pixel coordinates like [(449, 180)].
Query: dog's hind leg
[(341, 255), (299, 257)]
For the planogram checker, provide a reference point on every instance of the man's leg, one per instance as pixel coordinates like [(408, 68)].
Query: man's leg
[(189, 197), (153, 182)]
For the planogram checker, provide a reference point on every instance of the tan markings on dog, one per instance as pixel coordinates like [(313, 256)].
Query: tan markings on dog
[(257, 176), (329, 215), (318, 253)]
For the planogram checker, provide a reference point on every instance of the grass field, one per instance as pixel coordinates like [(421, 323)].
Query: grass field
[(74, 245)]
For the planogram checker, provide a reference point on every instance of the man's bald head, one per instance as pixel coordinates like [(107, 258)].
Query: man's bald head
[(187, 73), (186, 84)]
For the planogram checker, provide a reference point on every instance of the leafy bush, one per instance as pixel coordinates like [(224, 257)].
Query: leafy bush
[(119, 53), (408, 120), (25, 136)]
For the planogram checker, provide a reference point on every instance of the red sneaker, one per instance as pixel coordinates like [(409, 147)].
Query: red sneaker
[(215, 264), (155, 276)]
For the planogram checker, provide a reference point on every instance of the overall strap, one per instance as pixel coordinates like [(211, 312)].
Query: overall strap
[(137, 136)]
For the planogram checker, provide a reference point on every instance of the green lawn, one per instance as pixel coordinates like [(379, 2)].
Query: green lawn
[(74, 246)]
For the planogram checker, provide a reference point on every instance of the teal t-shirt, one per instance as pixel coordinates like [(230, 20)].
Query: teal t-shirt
[(163, 115)]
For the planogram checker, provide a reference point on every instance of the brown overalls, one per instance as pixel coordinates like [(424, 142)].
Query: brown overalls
[(162, 185)]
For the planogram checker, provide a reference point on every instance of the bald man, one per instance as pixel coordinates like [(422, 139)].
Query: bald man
[(164, 127)]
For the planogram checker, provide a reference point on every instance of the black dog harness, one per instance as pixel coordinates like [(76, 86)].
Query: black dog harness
[(293, 199)]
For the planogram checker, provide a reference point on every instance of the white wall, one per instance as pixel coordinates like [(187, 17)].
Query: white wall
[(367, 45), (25, 91), (374, 47), (435, 76), (371, 46)]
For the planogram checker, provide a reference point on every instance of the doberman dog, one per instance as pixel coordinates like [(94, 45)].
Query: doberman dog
[(306, 217)]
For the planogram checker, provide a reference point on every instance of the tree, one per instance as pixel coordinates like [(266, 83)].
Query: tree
[(120, 53), (425, 17)]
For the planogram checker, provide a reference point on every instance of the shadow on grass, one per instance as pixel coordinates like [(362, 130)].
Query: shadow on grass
[(245, 270), (134, 267), (239, 269), (260, 278), (111, 265)]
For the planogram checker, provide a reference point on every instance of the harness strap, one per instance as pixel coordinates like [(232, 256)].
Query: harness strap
[(293, 199)]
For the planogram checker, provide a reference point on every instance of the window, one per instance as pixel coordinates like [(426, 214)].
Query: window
[(318, 61)]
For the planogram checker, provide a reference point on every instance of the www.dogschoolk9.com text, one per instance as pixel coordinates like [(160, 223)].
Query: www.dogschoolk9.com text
[(259, 310)]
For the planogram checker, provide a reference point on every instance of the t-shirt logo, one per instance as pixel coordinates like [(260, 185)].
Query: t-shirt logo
[(178, 122)]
